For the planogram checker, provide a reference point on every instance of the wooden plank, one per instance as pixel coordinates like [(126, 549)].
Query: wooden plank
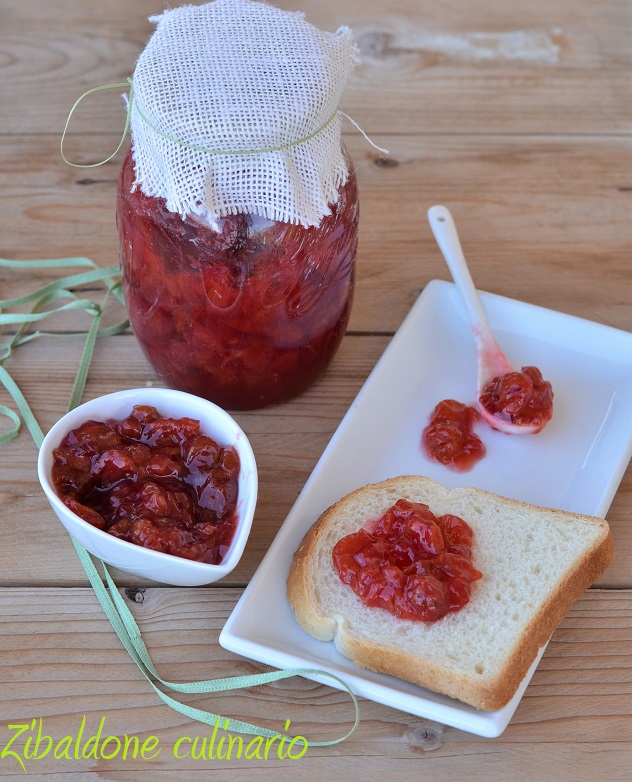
[(513, 114), (287, 439), (535, 67), (65, 662), (529, 230)]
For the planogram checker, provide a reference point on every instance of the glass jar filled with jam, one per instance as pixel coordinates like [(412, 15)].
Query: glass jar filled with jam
[(237, 203), (247, 315)]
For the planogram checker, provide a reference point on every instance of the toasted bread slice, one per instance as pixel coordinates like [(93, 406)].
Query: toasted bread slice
[(535, 562)]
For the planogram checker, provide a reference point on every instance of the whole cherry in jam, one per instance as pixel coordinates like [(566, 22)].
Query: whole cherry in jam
[(409, 562), (520, 398), (153, 481)]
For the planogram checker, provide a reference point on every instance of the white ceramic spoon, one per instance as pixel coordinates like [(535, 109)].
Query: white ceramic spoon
[(492, 362)]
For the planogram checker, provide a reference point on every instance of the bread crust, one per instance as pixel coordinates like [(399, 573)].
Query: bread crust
[(487, 694)]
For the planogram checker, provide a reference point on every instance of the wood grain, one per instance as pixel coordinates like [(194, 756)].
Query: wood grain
[(515, 115), (420, 68), (65, 662), (530, 231), (287, 439)]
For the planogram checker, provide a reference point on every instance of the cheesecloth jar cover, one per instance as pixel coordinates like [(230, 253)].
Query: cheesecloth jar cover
[(234, 110), (237, 204)]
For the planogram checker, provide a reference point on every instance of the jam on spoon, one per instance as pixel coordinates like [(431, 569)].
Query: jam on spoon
[(510, 401)]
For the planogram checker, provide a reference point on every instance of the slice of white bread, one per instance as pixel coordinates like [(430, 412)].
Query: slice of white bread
[(535, 562)]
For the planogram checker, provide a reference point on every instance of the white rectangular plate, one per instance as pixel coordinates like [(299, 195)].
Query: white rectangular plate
[(575, 464)]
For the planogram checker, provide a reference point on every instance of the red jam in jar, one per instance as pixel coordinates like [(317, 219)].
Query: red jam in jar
[(247, 316), (521, 398), (157, 482), (449, 437), (410, 563)]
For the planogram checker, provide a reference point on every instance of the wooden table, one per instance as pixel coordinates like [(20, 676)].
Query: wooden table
[(517, 116)]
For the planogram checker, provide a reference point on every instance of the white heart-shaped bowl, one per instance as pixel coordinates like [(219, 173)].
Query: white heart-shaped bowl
[(140, 561)]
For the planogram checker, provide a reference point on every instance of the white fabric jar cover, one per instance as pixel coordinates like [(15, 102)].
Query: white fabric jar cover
[(234, 110)]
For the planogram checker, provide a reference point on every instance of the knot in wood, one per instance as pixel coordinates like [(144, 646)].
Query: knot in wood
[(135, 594), (425, 736)]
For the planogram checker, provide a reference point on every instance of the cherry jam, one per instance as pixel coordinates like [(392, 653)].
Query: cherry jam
[(153, 481), (410, 563), (523, 398), (247, 316), (449, 437)]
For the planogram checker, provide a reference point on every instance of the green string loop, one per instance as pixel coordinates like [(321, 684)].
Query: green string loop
[(118, 85), (133, 105), (111, 601)]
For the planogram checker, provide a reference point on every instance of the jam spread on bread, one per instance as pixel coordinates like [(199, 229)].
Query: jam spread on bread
[(157, 482), (521, 398), (409, 562), (449, 438)]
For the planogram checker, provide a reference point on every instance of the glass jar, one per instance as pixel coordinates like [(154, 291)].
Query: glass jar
[(246, 316)]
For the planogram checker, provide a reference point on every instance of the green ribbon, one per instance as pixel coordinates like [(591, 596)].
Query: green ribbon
[(111, 601), (60, 289), (129, 633)]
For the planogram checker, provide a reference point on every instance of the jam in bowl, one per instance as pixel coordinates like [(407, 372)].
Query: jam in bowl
[(156, 482)]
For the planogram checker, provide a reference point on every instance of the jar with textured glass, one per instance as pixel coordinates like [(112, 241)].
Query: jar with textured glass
[(237, 203)]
